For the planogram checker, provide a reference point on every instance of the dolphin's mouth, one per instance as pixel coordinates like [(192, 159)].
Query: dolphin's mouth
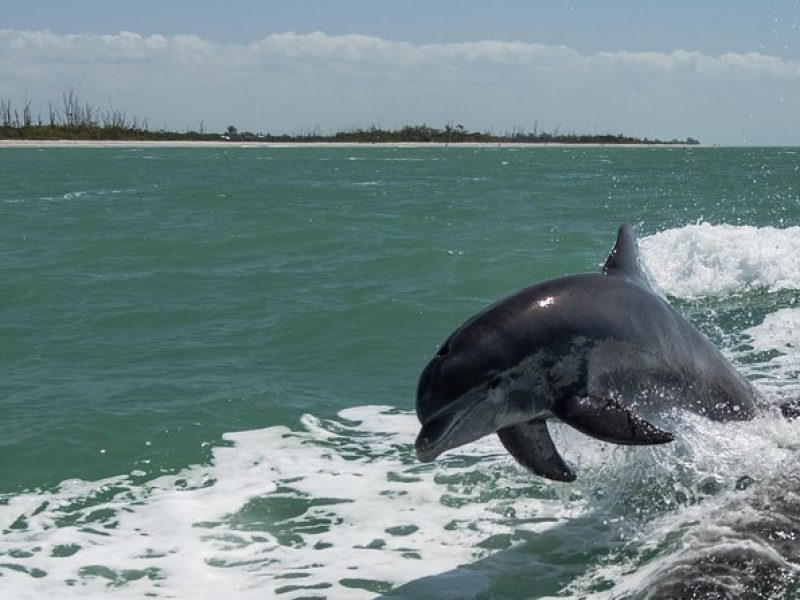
[(431, 438), (453, 429), (434, 437)]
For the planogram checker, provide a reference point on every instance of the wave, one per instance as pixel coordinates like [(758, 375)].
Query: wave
[(739, 542), (340, 507), (771, 351), (780, 331), (703, 260)]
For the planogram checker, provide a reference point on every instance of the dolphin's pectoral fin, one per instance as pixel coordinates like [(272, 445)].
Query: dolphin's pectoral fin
[(608, 420), (532, 447)]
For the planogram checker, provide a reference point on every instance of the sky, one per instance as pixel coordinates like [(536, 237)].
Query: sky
[(725, 72)]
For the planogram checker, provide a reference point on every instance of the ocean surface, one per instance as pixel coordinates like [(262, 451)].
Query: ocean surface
[(208, 361)]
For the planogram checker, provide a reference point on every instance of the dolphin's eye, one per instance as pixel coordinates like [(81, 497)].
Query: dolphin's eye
[(495, 382)]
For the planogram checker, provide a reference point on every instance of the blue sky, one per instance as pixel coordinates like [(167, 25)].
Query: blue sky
[(710, 26), (724, 71)]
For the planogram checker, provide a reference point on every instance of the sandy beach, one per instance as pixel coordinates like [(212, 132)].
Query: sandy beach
[(231, 144)]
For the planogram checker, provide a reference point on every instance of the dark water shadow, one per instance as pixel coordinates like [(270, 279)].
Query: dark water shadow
[(537, 565), (746, 547)]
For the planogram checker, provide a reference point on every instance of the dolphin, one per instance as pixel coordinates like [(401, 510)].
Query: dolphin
[(599, 351)]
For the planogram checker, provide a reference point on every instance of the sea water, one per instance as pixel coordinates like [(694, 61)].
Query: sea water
[(208, 361)]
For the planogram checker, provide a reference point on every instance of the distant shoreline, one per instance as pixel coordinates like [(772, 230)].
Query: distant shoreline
[(80, 123), (17, 143)]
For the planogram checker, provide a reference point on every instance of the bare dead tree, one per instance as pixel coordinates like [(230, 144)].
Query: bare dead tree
[(71, 108), (88, 115), (5, 112), (27, 121)]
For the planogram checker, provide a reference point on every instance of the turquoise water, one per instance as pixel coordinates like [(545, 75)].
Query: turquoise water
[(181, 329)]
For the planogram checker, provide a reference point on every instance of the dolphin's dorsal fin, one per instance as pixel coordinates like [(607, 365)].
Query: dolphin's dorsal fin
[(624, 256)]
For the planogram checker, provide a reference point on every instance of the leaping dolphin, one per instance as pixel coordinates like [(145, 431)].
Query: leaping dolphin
[(593, 350)]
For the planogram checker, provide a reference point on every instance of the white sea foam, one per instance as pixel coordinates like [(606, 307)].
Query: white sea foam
[(731, 467), (711, 260), (779, 337), (779, 331), (339, 508)]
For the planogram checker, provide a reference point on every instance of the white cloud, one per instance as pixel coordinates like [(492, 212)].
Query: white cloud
[(287, 82)]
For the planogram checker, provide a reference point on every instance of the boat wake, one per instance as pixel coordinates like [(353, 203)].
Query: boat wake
[(340, 508)]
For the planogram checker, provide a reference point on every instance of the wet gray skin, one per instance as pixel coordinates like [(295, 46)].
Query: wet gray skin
[(599, 351)]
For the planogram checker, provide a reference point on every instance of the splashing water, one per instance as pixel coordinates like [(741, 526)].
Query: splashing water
[(340, 508), (703, 260)]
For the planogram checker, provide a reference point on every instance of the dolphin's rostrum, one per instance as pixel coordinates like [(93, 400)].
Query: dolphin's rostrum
[(596, 350)]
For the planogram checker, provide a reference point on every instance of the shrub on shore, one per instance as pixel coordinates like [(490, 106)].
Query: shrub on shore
[(75, 119)]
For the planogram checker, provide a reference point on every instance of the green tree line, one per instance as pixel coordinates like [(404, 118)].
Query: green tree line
[(74, 119)]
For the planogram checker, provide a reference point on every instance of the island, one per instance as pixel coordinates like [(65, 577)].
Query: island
[(75, 120)]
